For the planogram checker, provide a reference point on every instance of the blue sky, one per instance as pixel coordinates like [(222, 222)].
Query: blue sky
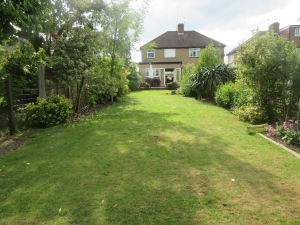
[(229, 22)]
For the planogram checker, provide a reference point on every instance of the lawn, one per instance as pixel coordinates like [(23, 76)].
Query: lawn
[(151, 158)]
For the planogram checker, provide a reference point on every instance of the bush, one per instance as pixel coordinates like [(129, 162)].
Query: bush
[(123, 90), (186, 81), (48, 112), (178, 91), (206, 80), (169, 86), (133, 85), (251, 113), (224, 95), (92, 101), (268, 65), (147, 86)]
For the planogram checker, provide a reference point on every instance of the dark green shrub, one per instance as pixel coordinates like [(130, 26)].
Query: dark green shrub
[(169, 86), (173, 92), (147, 86), (224, 95), (48, 112), (133, 85), (206, 80), (92, 101)]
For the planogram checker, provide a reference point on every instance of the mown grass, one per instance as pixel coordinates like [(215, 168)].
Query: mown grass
[(151, 158)]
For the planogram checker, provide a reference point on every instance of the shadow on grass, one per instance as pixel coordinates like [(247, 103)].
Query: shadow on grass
[(126, 165)]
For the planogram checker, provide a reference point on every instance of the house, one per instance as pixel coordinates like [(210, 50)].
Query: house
[(291, 33), (173, 50)]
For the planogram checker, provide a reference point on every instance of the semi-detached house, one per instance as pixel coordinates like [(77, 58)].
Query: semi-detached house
[(173, 50)]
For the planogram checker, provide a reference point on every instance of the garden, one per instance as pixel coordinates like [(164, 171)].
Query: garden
[(108, 153), (152, 158)]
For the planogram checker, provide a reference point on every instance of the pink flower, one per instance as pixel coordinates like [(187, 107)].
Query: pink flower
[(296, 121)]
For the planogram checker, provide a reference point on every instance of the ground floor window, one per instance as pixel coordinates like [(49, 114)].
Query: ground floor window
[(164, 74), (155, 72)]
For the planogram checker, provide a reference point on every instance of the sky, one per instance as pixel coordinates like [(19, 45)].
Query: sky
[(229, 22)]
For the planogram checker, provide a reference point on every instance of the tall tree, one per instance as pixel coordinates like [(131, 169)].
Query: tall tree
[(74, 57), (268, 65), (121, 27), (41, 22), (209, 57), (16, 15)]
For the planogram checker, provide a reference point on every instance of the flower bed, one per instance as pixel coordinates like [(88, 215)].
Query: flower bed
[(288, 132)]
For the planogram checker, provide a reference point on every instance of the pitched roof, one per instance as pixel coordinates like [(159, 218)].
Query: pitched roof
[(233, 51), (188, 39)]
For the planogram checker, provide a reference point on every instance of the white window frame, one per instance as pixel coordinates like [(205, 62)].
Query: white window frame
[(297, 31), (170, 53), (150, 52), (193, 52), (156, 72)]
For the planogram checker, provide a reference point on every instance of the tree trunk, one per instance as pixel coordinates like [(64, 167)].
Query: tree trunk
[(77, 102)]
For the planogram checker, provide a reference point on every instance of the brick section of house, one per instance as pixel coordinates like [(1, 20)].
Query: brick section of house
[(289, 33)]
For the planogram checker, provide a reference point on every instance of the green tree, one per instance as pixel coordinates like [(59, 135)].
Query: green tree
[(103, 87), (74, 57), (42, 22), (268, 65), (121, 26), (24, 15), (20, 64), (209, 57)]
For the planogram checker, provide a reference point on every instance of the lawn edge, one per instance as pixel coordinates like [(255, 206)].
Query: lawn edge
[(280, 145)]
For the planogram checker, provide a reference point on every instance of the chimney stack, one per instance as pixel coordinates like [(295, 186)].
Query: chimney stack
[(274, 27), (180, 28)]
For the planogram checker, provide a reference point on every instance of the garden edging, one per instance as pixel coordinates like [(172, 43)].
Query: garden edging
[(280, 145)]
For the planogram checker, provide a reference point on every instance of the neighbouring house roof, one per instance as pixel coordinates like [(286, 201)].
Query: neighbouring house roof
[(235, 49), (186, 39), (289, 27)]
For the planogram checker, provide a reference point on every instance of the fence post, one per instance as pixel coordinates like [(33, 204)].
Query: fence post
[(41, 81), (12, 126)]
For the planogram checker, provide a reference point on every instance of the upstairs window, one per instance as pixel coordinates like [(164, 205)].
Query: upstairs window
[(194, 52), (297, 31), (170, 53), (150, 53)]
